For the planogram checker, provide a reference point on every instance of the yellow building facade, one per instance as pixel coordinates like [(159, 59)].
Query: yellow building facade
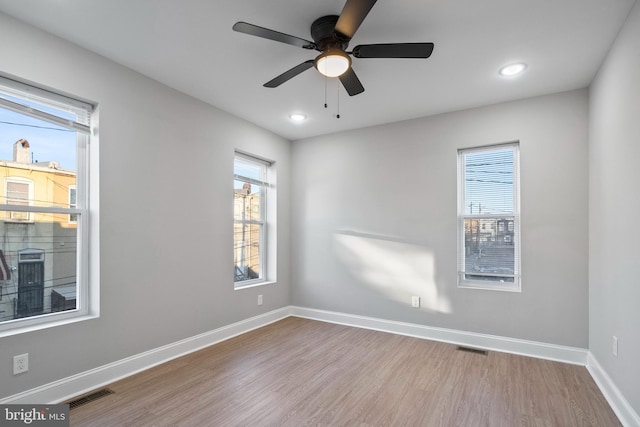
[(38, 250)]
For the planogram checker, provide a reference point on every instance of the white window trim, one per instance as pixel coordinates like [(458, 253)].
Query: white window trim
[(464, 283), (87, 183), (268, 236)]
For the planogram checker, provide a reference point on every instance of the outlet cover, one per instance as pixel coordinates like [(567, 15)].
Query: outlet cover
[(20, 363), (615, 345), (259, 299), (415, 302)]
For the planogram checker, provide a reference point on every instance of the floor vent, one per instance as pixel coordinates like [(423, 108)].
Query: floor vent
[(90, 397), (473, 350)]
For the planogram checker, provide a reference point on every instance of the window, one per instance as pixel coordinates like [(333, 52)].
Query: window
[(251, 190), (489, 218), (44, 211), (73, 218), (18, 191)]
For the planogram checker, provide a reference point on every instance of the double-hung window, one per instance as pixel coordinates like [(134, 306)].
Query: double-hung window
[(489, 217), (251, 189), (44, 208)]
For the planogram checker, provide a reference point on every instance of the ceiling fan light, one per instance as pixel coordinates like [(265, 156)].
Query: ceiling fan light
[(333, 63)]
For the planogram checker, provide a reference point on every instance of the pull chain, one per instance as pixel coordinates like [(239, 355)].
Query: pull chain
[(325, 91), (326, 83), (338, 100)]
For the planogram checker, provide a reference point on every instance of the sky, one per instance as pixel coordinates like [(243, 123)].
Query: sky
[(47, 142)]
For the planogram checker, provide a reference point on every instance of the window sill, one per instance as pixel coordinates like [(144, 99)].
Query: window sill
[(487, 287), (255, 284), (39, 323)]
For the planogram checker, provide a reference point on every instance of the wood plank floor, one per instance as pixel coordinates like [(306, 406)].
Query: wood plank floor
[(299, 372)]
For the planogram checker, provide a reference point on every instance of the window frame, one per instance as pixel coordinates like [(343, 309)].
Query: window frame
[(513, 225), (266, 221), (86, 209)]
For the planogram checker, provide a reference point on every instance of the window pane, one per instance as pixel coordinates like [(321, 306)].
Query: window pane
[(489, 181), (489, 246), (39, 268), (17, 191), (249, 169), (39, 151), (247, 201), (247, 240)]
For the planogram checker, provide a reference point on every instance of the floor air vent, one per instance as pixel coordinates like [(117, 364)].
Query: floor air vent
[(473, 350), (90, 397)]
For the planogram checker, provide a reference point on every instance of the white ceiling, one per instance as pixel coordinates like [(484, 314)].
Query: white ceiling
[(190, 46)]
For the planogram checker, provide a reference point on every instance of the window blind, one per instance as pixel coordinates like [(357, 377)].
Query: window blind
[(23, 92)]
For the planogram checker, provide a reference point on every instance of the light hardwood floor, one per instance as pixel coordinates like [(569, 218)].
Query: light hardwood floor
[(299, 372)]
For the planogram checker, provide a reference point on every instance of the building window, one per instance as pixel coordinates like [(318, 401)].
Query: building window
[(19, 192), (489, 218), (73, 218), (45, 223), (251, 192)]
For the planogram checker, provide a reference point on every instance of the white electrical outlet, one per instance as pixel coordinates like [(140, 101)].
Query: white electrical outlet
[(20, 363), (615, 345), (415, 302), (259, 299)]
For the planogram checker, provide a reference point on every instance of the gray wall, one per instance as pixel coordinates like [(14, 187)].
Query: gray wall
[(166, 207), (614, 228), (374, 221)]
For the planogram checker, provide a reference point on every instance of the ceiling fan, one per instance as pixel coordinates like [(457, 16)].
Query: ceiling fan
[(331, 36)]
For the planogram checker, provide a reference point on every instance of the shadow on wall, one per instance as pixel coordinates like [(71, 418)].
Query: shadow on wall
[(393, 266)]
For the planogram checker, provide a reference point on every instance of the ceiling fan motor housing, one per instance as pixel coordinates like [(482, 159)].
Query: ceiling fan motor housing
[(322, 32)]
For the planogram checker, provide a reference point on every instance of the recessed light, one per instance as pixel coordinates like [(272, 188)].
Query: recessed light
[(512, 69), (298, 117)]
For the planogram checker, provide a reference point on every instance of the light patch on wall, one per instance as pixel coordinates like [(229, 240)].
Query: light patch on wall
[(396, 268)]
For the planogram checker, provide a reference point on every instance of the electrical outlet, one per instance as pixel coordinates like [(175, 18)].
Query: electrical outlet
[(615, 345), (259, 299), (20, 363), (415, 302)]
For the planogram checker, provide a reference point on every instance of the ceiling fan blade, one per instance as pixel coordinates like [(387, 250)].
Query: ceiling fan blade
[(393, 50), (351, 82), (287, 75), (351, 17), (265, 33)]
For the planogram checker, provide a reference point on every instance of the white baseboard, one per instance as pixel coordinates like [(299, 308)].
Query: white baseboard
[(67, 388), (575, 356), (627, 416)]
